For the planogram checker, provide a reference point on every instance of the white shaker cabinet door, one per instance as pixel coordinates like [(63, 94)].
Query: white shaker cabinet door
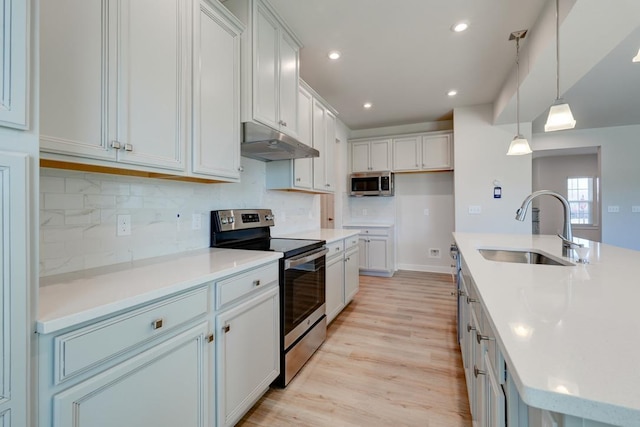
[(14, 283), (303, 168), (265, 75), (329, 154), (406, 154), (351, 275), (360, 157), (14, 75), (436, 152), (319, 143), (334, 287), (288, 85), (162, 387), (378, 253), (216, 103), (154, 76), (380, 155), (77, 74)]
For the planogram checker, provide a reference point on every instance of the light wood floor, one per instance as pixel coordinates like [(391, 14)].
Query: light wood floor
[(390, 359)]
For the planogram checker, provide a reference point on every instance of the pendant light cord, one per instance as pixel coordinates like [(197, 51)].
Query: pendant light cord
[(518, 85), (557, 49)]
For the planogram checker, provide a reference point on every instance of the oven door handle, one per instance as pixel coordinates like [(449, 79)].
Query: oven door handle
[(304, 258)]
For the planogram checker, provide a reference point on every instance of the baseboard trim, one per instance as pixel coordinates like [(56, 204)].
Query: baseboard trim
[(426, 268)]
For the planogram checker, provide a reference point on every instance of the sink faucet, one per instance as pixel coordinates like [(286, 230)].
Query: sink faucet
[(567, 235)]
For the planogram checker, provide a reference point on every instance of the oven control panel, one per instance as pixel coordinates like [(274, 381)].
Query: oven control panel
[(238, 219)]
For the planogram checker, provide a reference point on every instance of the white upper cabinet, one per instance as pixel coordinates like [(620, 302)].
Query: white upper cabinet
[(270, 66), (320, 144), (216, 92), (14, 65), (115, 80), (371, 155), (303, 168), (423, 152)]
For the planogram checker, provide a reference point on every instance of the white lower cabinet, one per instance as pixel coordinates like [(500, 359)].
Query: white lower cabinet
[(335, 281), (376, 249), (342, 275), (247, 343), (163, 386), (144, 367)]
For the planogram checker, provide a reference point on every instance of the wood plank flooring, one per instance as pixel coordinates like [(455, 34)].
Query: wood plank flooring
[(390, 359)]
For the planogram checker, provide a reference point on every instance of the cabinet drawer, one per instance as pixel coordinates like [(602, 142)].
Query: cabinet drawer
[(82, 349), (350, 242), (335, 249), (233, 288), (374, 232)]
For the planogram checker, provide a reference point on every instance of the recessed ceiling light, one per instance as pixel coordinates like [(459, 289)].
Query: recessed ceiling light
[(367, 105), (452, 92), (334, 54), (460, 27)]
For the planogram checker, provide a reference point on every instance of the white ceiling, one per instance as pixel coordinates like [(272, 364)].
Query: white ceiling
[(402, 56)]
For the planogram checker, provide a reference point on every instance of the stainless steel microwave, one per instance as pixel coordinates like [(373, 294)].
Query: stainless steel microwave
[(372, 183)]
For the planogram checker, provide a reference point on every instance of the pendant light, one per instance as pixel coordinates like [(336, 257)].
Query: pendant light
[(637, 57), (560, 116), (519, 145)]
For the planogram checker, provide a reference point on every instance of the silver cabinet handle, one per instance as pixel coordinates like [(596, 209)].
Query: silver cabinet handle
[(459, 292), (116, 145), (470, 300), (477, 371), (226, 328), (470, 328), (256, 282), (128, 147), (480, 338), (157, 324)]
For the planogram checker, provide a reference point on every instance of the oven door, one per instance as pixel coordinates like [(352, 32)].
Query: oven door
[(304, 293)]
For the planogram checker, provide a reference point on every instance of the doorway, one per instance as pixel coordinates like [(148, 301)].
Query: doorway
[(327, 211), (574, 173)]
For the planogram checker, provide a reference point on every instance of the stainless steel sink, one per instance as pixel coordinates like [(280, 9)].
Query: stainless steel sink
[(521, 257)]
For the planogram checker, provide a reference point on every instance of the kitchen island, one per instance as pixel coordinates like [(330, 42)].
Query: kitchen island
[(566, 333)]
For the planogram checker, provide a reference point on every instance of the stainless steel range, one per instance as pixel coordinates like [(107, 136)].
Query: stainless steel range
[(303, 325)]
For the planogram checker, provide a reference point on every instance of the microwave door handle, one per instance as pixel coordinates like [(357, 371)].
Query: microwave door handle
[(304, 258)]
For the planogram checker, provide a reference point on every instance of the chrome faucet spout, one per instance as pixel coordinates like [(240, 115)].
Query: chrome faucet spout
[(567, 234)]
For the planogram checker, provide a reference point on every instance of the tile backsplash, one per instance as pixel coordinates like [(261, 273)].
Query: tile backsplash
[(78, 213)]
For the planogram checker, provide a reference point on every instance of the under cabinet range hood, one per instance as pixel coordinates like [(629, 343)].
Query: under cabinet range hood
[(260, 142)]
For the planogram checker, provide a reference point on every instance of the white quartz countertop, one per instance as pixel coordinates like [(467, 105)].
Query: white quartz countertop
[(70, 299), (329, 234), (569, 335), (368, 225)]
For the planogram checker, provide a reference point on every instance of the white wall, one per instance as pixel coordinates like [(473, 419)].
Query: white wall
[(480, 158), (417, 231), (551, 173), (620, 176), (78, 215)]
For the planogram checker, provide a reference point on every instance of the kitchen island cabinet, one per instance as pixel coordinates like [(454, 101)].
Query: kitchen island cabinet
[(111, 335), (533, 326)]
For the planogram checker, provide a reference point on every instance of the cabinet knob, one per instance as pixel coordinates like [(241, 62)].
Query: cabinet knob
[(116, 145), (298, 179), (470, 328), (256, 282), (240, 169), (477, 371), (459, 292), (226, 328), (128, 147), (157, 324), (210, 338)]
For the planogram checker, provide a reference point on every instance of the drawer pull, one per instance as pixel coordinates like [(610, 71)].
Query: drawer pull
[(226, 328), (157, 324), (477, 371), (470, 328), (256, 282), (210, 338), (480, 338), (470, 300)]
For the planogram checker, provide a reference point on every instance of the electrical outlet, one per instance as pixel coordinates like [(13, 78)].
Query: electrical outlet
[(475, 210), (635, 209), (434, 253), (123, 226), (196, 221), (613, 209)]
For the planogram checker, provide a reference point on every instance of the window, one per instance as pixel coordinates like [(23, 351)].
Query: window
[(582, 195)]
